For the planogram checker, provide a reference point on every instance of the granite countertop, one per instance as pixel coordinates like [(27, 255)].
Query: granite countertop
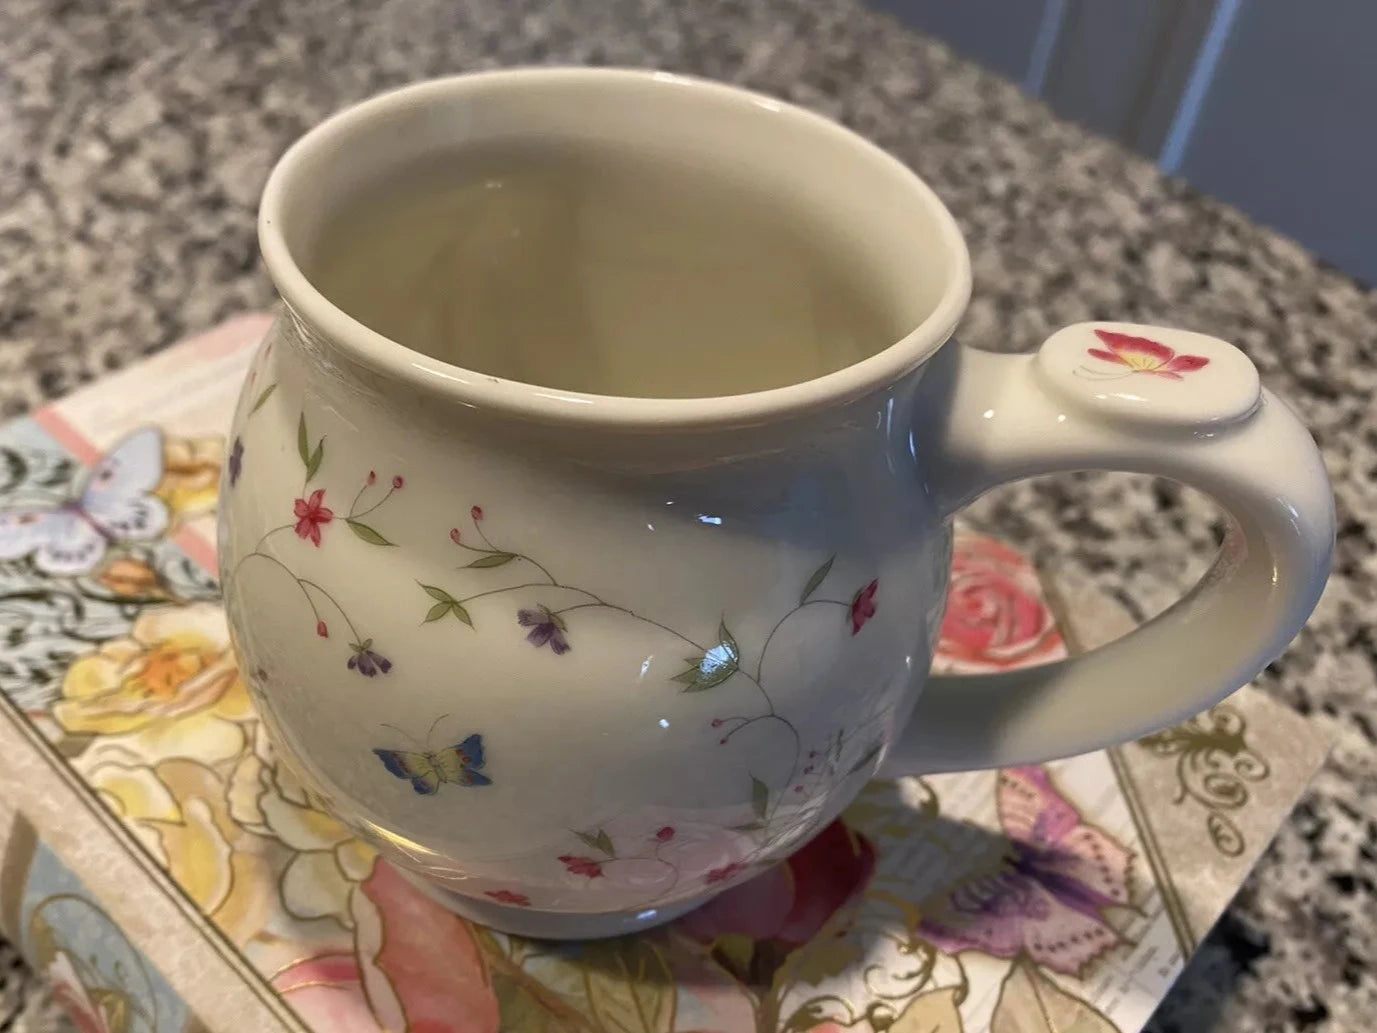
[(135, 136)]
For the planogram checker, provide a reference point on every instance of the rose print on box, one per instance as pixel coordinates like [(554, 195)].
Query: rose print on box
[(996, 618)]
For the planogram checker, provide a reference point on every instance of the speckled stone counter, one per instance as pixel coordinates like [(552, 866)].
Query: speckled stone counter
[(135, 136)]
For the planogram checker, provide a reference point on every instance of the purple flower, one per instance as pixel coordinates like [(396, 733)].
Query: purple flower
[(367, 662), (546, 626), (236, 460)]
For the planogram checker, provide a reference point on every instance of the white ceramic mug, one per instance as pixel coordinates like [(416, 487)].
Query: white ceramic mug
[(577, 662)]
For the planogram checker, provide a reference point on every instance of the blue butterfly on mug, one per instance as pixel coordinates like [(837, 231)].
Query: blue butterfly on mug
[(427, 769), (115, 503)]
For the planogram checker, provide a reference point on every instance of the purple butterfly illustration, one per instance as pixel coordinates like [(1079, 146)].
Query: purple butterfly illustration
[(1047, 898)]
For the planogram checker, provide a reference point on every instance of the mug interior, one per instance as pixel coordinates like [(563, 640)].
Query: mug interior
[(611, 234)]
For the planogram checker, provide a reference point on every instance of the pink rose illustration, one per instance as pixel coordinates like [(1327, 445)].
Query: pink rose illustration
[(997, 617), (415, 967)]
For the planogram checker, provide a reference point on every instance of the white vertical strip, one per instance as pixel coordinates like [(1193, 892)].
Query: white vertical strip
[(1040, 59), (1202, 75)]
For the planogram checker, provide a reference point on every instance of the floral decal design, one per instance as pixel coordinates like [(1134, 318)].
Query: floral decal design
[(707, 666), (863, 607), (1139, 355), (311, 516), (1047, 896), (236, 461), (547, 627)]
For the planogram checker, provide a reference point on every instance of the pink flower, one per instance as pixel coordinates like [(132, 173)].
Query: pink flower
[(476, 512), (997, 617), (786, 905), (1142, 355), (372, 477), (455, 536), (1047, 898), (398, 482), (665, 834), (727, 871), (89, 1013), (510, 897), (863, 606), (414, 965), (322, 630), (311, 516), (584, 866)]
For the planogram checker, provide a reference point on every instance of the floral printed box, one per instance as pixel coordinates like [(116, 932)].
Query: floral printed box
[(167, 874)]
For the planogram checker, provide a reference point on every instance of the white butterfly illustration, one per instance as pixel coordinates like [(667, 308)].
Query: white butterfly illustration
[(114, 504)]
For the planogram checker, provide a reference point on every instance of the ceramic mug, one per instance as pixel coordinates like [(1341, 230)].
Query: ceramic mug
[(577, 662)]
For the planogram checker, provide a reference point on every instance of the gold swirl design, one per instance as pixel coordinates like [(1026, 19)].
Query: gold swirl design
[(1214, 767)]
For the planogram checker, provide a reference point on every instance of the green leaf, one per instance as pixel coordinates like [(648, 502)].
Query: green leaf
[(436, 612), (725, 637), (303, 444), (932, 1012), (734, 951), (714, 667), (760, 797), (707, 672), (313, 464), (362, 530), (461, 613), (817, 579), (438, 593), (865, 759), (263, 397), (1031, 1002), (599, 840), (493, 559), (629, 985)]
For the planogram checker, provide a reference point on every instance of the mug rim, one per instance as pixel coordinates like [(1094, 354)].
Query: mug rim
[(527, 401)]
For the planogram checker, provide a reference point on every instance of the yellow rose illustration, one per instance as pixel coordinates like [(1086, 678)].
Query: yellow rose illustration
[(178, 810), (266, 798), (191, 475), (171, 688)]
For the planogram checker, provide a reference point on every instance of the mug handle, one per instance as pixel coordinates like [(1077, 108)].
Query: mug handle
[(1143, 399)]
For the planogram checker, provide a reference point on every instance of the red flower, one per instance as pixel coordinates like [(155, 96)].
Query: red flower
[(311, 515), (455, 536), (584, 866), (322, 630), (413, 965), (1142, 355), (788, 903), (510, 897), (397, 482), (476, 512), (665, 834), (863, 606), (726, 872)]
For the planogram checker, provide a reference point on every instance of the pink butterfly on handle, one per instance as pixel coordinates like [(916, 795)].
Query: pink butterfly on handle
[(114, 504), (1047, 899)]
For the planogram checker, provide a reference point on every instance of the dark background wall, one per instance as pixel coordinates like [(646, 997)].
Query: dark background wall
[(1268, 104)]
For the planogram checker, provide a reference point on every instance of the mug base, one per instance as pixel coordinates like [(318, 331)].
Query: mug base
[(548, 925)]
